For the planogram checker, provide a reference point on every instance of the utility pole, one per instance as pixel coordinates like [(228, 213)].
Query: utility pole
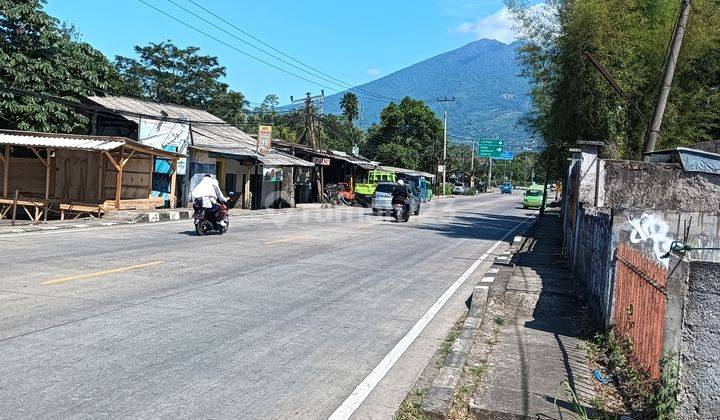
[(310, 120), (654, 129), (446, 99), (444, 150), (472, 165), (489, 172)]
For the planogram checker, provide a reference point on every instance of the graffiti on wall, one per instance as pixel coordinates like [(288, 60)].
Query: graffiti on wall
[(654, 230)]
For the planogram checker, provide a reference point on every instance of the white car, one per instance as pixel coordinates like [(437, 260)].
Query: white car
[(460, 189)]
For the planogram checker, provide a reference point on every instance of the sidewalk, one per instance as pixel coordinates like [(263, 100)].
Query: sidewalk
[(538, 349)]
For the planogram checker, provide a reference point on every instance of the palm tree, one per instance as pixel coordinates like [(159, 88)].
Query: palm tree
[(349, 105)]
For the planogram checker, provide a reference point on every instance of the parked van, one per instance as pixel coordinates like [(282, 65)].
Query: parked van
[(533, 196)]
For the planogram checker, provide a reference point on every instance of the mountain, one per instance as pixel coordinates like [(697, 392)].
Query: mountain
[(483, 76)]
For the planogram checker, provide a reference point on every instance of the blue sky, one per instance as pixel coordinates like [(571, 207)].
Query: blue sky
[(354, 41)]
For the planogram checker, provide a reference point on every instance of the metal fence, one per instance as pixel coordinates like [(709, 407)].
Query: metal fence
[(593, 261), (640, 295)]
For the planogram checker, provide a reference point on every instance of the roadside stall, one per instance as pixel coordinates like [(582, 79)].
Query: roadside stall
[(60, 175)]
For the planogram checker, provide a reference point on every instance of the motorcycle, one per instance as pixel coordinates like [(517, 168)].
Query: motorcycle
[(400, 212), (207, 220)]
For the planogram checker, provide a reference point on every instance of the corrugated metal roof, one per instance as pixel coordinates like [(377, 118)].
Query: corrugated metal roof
[(410, 172), (209, 132), (60, 141), (272, 158), (139, 106)]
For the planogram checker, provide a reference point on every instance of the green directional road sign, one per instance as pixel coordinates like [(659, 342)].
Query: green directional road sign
[(490, 148), (491, 142)]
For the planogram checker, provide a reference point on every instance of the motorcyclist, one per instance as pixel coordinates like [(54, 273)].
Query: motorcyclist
[(400, 195), (208, 189)]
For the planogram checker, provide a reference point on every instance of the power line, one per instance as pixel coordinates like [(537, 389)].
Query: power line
[(286, 55), (182, 22), (105, 111)]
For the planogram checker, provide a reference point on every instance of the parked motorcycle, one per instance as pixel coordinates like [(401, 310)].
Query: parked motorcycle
[(400, 212), (207, 220)]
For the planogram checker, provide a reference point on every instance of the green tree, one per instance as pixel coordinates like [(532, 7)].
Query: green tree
[(350, 107), (39, 55), (414, 126), (338, 134), (573, 102), (165, 73), (229, 106)]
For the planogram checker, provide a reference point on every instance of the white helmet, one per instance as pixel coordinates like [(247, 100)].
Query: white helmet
[(401, 182)]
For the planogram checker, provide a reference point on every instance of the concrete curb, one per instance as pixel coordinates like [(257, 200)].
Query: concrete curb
[(152, 217), (149, 217), (439, 396)]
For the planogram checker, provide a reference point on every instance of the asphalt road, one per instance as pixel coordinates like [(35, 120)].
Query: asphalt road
[(283, 316)]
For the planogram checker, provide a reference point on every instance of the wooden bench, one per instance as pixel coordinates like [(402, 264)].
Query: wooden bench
[(39, 205), (79, 209)]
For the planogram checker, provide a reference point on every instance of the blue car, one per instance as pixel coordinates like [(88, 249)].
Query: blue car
[(506, 188)]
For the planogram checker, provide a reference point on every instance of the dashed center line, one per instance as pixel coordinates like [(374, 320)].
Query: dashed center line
[(100, 273)]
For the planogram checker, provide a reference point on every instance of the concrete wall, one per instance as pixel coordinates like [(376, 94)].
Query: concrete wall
[(593, 261), (659, 186), (654, 231), (700, 358)]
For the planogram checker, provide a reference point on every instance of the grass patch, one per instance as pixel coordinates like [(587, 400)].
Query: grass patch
[(478, 371), (499, 320), (447, 344), (636, 392), (410, 407)]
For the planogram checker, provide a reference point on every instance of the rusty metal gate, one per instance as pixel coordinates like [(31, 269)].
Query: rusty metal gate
[(640, 294)]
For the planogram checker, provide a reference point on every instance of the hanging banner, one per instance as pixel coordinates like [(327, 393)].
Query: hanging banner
[(264, 139), (165, 135), (272, 174)]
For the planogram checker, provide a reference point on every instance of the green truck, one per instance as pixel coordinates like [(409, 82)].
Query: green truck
[(365, 192)]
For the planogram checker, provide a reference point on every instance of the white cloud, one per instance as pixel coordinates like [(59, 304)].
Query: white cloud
[(498, 25), (501, 25), (373, 72)]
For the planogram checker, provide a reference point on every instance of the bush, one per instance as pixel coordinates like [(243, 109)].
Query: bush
[(472, 191)]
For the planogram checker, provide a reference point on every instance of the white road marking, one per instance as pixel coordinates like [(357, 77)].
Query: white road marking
[(361, 392)]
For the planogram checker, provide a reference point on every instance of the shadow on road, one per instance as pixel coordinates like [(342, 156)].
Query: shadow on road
[(471, 225)]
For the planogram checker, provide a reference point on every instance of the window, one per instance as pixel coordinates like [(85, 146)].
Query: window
[(385, 188)]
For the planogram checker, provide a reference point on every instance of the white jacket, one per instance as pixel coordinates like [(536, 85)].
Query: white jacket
[(209, 190)]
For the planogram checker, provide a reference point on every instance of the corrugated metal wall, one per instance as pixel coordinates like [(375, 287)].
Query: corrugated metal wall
[(640, 295)]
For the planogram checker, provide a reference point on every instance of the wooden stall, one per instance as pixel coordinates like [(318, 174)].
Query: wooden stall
[(74, 175)]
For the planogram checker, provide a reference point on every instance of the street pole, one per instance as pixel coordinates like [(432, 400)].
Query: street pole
[(654, 129), (472, 164), (444, 149), (445, 114), (489, 173)]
